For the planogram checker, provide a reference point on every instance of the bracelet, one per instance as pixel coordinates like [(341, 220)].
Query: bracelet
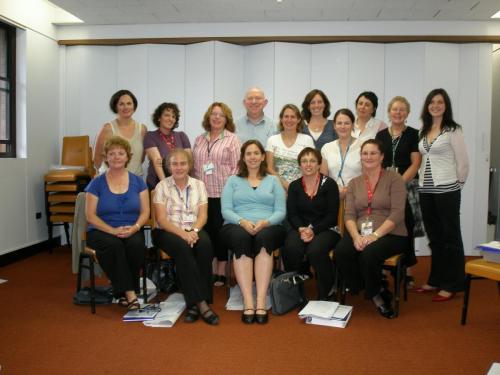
[(138, 227)]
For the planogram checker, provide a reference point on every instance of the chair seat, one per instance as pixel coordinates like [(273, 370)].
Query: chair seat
[(61, 197), (482, 268), (67, 175), (61, 218), (392, 261), (63, 186), (62, 208)]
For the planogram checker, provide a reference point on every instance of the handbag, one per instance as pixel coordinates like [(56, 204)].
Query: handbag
[(287, 292), (103, 296)]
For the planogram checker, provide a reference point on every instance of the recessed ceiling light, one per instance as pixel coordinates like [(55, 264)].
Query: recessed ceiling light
[(496, 15)]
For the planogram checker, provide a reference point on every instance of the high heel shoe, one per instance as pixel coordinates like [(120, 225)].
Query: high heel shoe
[(248, 318), (440, 298), (386, 311), (261, 318)]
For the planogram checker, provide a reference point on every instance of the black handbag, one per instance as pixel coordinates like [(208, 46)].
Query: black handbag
[(287, 292), (103, 296)]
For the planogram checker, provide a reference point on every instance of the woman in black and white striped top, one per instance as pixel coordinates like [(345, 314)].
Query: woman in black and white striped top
[(442, 174)]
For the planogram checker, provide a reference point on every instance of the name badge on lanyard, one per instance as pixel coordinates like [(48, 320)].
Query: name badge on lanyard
[(208, 168), (367, 223)]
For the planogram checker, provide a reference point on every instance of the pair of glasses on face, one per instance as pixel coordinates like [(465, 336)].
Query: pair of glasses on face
[(217, 114)]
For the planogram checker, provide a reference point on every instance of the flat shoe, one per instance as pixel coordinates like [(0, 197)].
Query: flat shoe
[(440, 298), (192, 315), (248, 318), (210, 317), (261, 318)]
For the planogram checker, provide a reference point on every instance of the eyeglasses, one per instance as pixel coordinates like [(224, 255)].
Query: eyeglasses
[(217, 114)]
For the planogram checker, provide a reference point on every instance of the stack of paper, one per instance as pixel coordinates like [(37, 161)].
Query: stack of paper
[(235, 301), (140, 315), (326, 313), (490, 251), (171, 310)]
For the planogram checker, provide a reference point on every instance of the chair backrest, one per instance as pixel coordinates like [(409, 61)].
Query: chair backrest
[(340, 219), (75, 151)]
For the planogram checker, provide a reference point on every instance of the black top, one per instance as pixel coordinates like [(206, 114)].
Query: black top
[(321, 211), (408, 143)]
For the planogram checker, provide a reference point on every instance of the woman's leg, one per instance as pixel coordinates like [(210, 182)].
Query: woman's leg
[(203, 254), (135, 250), (293, 251), (346, 259), (318, 255), (213, 228)]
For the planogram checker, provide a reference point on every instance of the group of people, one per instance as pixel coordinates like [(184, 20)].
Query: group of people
[(249, 188)]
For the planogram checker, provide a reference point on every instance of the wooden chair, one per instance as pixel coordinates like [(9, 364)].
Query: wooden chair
[(478, 269)]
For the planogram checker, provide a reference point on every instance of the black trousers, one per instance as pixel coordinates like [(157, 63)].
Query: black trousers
[(213, 227), (121, 258), (441, 215), (410, 258), (363, 269), (316, 252), (193, 264), (243, 243)]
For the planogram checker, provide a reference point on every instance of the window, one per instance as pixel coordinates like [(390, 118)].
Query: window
[(7, 91)]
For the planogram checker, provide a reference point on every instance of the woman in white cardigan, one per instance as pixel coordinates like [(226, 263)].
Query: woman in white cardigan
[(443, 172)]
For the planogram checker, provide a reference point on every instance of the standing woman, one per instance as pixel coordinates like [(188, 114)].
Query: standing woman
[(282, 149), (315, 111), (215, 155), (312, 209), (180, 204), (117, 206), (159, 143), (400, 147), (124, 104), (366, 125), (341, 159), (253, 206), (444, 170)]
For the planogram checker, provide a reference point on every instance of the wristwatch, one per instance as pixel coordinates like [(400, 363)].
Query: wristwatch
[(196, 230)]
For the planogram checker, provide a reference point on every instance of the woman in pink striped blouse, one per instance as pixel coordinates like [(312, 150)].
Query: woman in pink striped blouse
[(215, 154)]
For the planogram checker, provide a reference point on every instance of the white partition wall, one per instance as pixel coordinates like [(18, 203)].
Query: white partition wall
[(196, 75)]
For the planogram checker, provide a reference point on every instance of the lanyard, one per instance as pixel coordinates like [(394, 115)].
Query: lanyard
[(315, 190), (342, 160), (170, 141), (371, 192), (180, 195), (395, 144), (209, 148)]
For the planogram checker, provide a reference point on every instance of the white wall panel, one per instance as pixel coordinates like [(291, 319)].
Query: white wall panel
[(228, 76), (366, 73), (329, 72), (259, 71), (404, 75), (166, 78), (441, 68), (199, 85), (292, 75)]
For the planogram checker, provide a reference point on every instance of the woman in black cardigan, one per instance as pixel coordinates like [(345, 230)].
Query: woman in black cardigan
[(312, 210)]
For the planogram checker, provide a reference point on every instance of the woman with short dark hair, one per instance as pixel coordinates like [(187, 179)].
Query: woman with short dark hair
[(366, 125), (315, 111)]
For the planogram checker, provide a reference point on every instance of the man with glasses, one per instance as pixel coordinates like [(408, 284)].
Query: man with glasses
[(255, 125)]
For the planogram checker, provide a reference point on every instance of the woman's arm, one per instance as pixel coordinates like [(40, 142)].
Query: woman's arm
[(411, 172), (461, 157), (279, 211), (141, 219), (91, 212), (156, 160), (292, 209), (227, 202), (324, 168), (103, 135), (166, 224), (330, 216), (144, 130)]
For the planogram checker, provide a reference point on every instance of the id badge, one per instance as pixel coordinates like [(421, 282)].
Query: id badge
[(208, 168), (366, 227), (189, 218), (392, 168)]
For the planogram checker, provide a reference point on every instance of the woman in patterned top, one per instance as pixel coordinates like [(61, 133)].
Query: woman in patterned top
[(443, 172), (215, 155), (282, 149)]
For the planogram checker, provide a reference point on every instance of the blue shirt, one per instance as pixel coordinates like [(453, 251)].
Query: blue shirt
[(117, 209), (246, 130), (240, 201), (328, 135)]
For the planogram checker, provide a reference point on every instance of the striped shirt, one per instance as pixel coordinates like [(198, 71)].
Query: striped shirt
[(428, 185), (182, 205), (223, 153)]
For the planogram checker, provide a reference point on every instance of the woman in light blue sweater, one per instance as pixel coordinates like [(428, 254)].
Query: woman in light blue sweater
[(253, 206)]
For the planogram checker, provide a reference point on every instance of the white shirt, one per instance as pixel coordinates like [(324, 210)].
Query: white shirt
[(352, 162), (372, 127)]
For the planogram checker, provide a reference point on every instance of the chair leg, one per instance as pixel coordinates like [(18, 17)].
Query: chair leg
[(79, 277), (144, 276), (405, 289), (465, 306), (92, 285), (229, 272), (66, 232), (397, 287)]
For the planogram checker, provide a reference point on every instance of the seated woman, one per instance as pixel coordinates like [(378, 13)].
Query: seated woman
[(180, 204), (253, 206), (375, 227), (117, 206), (312, 209)]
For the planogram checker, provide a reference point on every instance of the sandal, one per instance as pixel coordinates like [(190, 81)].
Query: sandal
[(192, 314), (134, 305), (210, 317), (122, 301)]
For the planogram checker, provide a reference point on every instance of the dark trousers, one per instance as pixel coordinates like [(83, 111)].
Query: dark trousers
[(441, 215), (410, 258), (193, 264), (316, 252), (121, 258), (363, 269), (243, 243), (213, 227)]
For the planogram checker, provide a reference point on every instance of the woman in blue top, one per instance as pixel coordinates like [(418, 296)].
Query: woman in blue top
[(117, 206), (253, 206)]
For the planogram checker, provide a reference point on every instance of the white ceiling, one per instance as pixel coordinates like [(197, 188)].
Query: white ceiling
[(119, 12)]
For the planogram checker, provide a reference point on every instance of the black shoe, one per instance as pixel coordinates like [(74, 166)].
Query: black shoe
[(261, 318), (386, 311), (386, 296), (192, 314), (220, 280), (210, 317), (248, 318)]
